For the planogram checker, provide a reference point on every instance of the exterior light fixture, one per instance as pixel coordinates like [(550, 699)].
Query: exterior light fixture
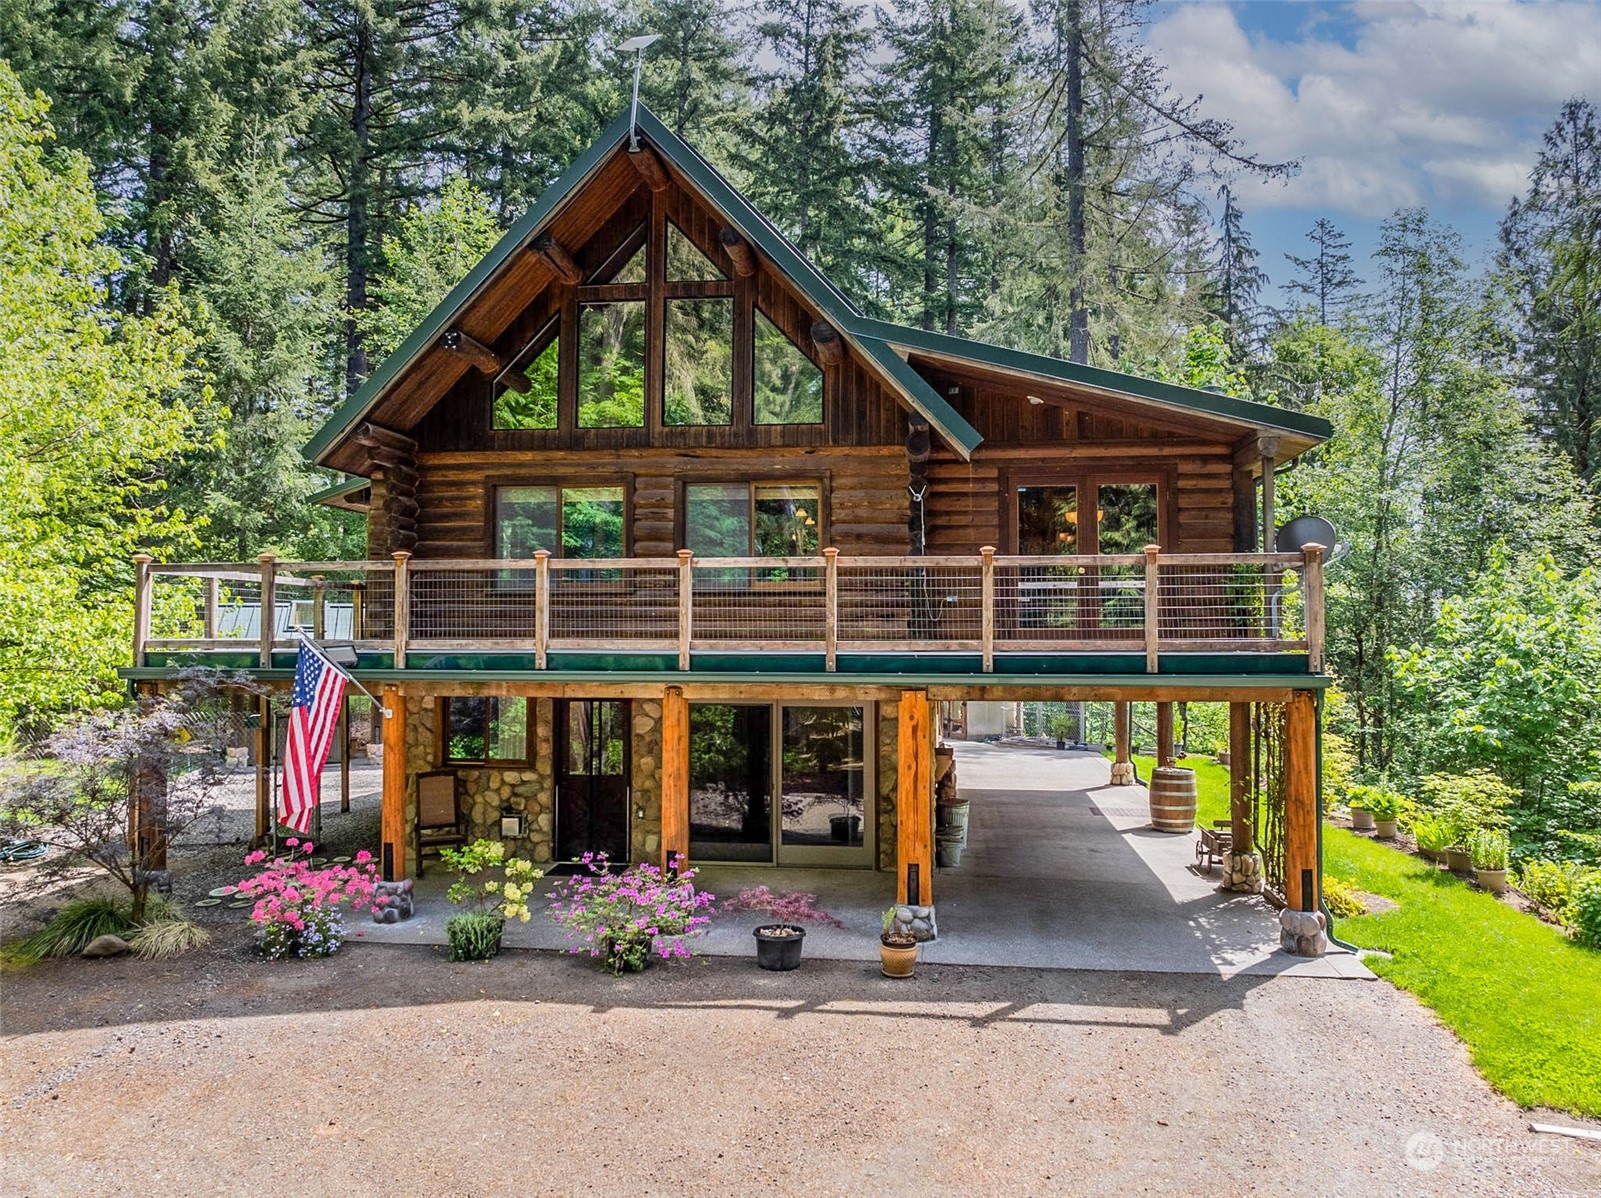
[(1036, 401)]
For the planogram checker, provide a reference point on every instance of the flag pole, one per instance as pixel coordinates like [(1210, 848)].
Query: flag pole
[(322, 656)]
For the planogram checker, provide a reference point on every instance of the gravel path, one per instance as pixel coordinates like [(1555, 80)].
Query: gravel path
[(389, 1070)]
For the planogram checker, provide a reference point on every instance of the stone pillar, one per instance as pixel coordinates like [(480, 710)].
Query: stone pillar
[(1122, 760)]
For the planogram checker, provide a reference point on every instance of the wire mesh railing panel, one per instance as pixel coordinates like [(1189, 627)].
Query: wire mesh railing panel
[(769, 603), (1267, 793), (897, 602), (473, 604), (624, 603), (1225, 602), (1072, 601)]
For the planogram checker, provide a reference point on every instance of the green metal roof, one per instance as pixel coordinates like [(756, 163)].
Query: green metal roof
[(874, 339), (338, 491)]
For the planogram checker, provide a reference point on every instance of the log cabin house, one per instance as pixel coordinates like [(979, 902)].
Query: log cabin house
[(671, 550)]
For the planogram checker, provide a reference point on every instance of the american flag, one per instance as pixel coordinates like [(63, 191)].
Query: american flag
[(313, 715)]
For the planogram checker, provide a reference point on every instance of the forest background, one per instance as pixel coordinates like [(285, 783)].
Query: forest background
[(216, 216)]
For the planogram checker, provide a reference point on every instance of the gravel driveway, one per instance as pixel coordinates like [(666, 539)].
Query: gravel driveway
[(387, 1070)]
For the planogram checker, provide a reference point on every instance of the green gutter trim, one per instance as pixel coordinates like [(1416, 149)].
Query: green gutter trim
[(339, 490), (1171, 395), (348, 414)]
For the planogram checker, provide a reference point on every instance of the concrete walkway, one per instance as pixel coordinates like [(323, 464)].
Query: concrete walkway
[(1061, 872)]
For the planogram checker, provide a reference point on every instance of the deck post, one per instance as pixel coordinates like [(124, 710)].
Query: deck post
[(402, 609), (392, 855), (1302, 924), (830, 608), (1312, 600), (1164, 734), (213, 596), (1242, 867), (914, 801), (141, 606), (319, 615), (148, 784), (267, 615), (686, 605), (1123, 738), (344, 753), (541, 607), (263, 769), (675, 778), (1153, 621), (987, 599)]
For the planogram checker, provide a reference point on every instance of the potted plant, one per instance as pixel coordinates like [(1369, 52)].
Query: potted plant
[(1491, 847), (897, 948), (1357, 799), (1432, 836), (778, 944), (1385, 808), (624, 919), (494, 888), (1061, 728)]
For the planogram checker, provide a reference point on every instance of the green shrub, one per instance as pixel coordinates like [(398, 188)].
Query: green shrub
[(73, 927), (1378, 801), (1586, 908), (1342, 899), (1491, 848), (474, 936), (1549, 884), (1468, 802), (1431, 832)]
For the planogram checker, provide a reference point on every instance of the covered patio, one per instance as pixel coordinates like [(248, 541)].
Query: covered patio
[(1061, 871)]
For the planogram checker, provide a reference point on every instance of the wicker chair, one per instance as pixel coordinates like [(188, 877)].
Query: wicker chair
[(440, 822)]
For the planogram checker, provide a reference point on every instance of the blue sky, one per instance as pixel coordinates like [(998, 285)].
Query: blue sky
[(1388, 103)]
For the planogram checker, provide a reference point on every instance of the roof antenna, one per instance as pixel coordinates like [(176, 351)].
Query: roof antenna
[(638, 45)]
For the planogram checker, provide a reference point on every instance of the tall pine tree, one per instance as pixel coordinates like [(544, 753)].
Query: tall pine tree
[(1326, 277)]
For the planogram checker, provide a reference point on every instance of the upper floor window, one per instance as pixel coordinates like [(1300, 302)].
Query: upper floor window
[(611, 364), (699, 362), (525, 395), (570, 522), (788, 388), (1052, 520), (753, 519)]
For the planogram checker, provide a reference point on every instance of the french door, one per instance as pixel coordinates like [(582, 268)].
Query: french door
[(592, 758)]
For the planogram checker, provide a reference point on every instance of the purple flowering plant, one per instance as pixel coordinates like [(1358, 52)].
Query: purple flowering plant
[(625, 918)]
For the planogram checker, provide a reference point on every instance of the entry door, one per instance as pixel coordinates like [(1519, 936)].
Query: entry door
[(592, 778)]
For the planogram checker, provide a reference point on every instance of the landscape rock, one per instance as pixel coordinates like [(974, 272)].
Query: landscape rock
[(1303, 933), (106, 946)]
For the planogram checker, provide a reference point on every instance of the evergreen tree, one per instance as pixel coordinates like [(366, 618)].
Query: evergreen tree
[(1551, 263), (1327, 275), (694, 78), (1238, 279)]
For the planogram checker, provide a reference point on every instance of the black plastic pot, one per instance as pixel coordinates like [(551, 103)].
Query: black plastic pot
[(779, 951)]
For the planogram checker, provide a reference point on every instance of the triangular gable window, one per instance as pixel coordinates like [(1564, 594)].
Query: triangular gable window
[(685, 262), (624, 267)]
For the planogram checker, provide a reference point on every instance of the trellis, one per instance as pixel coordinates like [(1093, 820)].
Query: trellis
[(1267, 793)]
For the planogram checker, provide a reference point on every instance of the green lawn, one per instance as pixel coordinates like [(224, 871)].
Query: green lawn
[(1525, 1000)]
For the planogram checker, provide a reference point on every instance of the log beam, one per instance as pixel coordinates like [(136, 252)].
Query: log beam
[(474, 351), (1164, 734), (392, 855), (650, 168), (914, 800), (557, 258), (738, 251), (675, 777), (825, 340), (1302, 875)]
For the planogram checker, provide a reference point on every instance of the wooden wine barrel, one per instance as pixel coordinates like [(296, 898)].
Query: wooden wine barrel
[(1172, 799)]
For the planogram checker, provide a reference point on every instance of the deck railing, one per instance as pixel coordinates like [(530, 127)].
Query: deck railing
[(986, 604)]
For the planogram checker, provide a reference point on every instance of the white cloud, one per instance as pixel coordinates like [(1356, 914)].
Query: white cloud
[(1431, 102)]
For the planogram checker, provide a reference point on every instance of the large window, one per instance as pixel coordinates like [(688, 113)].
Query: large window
[(572, 522), (730, 782), (823, 795), (1085, 516), (611, 365), (525, 395), (753, 519), (788, 388), (699, 374), (484, 731)]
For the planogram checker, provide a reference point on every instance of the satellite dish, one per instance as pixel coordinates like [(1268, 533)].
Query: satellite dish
[(1305, 530)]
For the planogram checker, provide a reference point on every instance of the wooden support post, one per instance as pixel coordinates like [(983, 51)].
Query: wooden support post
[(986, 556), (675, 777), (1164, 734), (148, 796), (1312, 601), (739, 252), (914, 800), (263, 769), (1268, 448), (650, 168), (1123, 738), (541, 607), (213, 588), (392, 854), (471, 350), (319, 597), (402, 606), (830, 608), (825, 340), (557, 258), (686, 605), (344, 753), (1240, 780), (141, 606), (268, 606), (1303, 890), (1153, 609)]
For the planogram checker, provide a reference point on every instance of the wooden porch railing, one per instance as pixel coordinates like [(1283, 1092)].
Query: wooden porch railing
[(986, 604)]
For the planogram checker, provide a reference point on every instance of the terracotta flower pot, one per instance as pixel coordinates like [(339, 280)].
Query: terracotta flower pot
[(898, 959)]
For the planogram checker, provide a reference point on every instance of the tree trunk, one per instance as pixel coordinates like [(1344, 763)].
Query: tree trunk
[(356, 215), (1078, 310)]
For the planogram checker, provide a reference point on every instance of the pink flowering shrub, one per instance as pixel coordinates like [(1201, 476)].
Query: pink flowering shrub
[(790, 907), (623, 918), (297, 911)]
